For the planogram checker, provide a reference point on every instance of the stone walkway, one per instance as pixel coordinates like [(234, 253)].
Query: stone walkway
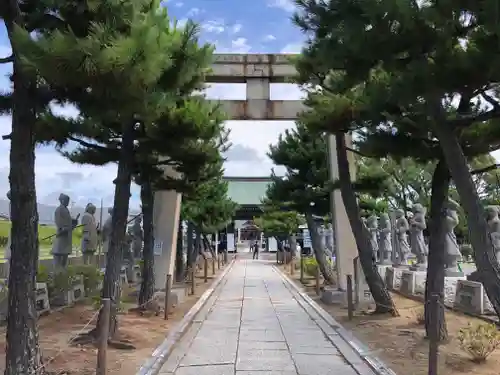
[(254, 324)]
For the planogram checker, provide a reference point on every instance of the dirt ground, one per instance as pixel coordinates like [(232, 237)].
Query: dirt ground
[(146, 333), (399, 341)]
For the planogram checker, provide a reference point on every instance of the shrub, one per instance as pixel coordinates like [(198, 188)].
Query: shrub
[(92, 277), (310, 265), (479, 340)]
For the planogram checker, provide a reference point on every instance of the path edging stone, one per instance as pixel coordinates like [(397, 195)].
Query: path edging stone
[(353, 344), (160, 355)]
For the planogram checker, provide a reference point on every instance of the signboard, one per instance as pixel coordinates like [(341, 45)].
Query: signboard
[(158, 247), (272, 243), (307, 239), (230, 242)]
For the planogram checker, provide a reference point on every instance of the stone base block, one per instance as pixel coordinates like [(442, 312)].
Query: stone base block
[(123, 275), (137, 274), (173, 300), (382, 268), (42, 298), (413, 282), (332, 296), (450, 289), (471, 297), (393, 277)]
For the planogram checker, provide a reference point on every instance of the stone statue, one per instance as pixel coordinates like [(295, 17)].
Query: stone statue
[(62, 246), (89, 234), (137, 237), (106, 231), (417, 226), (452, 250), (8, 250), (402, 228), (494, 226), (372, 226), (385, 239)]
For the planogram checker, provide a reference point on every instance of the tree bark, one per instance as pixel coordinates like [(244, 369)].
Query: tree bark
[(487, 265), (120, 214), (208, 245), (293, 245), (22, 353), (383, 299), (148, 277), (179, 256), (319, 251), (191, 258), (436, 261)]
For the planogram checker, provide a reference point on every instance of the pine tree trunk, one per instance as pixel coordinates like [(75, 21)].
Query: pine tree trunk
[(120, 214), (377, 286), (191, 258), (22, 353), (436, 262), (488, 269), (148, 258), (292, 239), (319, 251), (179, 256)]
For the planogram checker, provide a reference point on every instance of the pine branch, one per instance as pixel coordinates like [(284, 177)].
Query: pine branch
[(8, 59)]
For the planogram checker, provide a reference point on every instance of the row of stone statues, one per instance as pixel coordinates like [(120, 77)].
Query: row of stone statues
[(389, 238), (62, 245)]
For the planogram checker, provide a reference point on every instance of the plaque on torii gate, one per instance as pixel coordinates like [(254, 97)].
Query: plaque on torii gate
[(258, 71)]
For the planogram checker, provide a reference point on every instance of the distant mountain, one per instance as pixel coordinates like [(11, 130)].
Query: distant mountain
[(46, 212)]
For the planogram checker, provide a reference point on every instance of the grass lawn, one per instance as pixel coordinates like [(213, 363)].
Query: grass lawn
[(44, 231)]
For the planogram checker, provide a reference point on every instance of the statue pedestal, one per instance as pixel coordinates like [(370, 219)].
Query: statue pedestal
[(362, 294), (42, 298), (382, 269), (450, 289), (393, 276), (471, 297), (413, 282), (333, 296)]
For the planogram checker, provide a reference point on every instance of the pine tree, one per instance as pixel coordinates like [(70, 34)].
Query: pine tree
[(109, 68), (281, 224), (208, 207), (306, 187), (403, 72)]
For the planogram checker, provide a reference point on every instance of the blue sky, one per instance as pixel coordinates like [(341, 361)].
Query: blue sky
[(259, 26)]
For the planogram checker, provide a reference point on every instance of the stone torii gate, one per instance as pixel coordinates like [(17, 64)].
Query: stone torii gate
[(258, 71)]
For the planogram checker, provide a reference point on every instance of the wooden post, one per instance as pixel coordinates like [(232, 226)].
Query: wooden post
[(292, 265), (103, 337), (168, 288), (218, 261), (193, 280), (205, 270), (213, 266), (301, 269), (277, 257), (318, 290), (350, 307), (434, 334)]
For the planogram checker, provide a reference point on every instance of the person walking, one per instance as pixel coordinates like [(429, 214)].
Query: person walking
[(256, 251)]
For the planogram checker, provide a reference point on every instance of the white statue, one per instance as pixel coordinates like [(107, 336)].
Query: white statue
[(106, 231), (402, 228), (89, 234), (137, 237), (8, 250), (494, 226), (452, 250), (385, 239), (63, 245), (417, 226), (372, 226)]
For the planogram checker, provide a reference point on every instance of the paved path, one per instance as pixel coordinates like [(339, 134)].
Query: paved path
[(255, 325)]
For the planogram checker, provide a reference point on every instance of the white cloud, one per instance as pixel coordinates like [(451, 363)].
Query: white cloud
[(179, 4), (214, 26), (240, 45), (286, 5), (193, 12), (269, 38), (236, 28)]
